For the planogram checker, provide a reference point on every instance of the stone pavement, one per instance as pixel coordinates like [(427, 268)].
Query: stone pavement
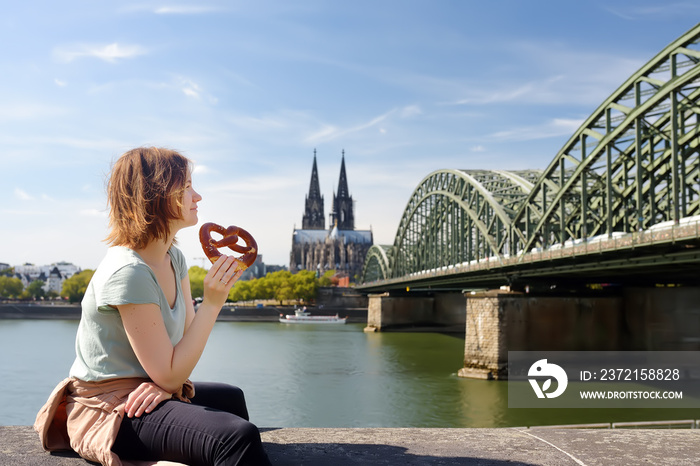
[(19, 446)]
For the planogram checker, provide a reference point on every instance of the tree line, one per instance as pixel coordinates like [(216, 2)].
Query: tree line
[(281, 286), (73, 288)]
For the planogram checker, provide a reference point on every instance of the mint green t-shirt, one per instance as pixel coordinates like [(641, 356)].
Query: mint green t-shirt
[(102, 348)]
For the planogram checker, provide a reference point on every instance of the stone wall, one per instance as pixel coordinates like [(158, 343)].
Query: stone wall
[(448, 309), (663, 319), (485, 351), (649, 319), (563, 323), (498, 322), (341, 297), (386, 311), (442, 310)]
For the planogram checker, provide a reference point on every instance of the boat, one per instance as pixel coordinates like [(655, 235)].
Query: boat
[(302, 316)]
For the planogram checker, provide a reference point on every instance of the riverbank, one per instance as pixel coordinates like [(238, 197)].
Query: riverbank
[(56, 311), (228, 313), (272, 313), (411, 446)]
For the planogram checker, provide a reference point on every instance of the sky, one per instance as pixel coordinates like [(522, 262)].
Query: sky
[(248, 91)]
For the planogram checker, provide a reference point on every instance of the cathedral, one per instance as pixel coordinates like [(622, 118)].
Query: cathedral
[(340, 247)]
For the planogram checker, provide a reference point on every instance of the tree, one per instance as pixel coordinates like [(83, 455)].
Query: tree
[(304, 285), (197, 275), (241, 291), (35, 289), (325, 280), (74, 287), (281, 286), (278, 286), (284, 291), (10, 287)]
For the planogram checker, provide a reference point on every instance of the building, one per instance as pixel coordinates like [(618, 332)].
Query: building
[(52, 275), (259, 269), (54, 281), (340, 247)]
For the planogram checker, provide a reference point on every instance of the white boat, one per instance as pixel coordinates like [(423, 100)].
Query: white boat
[(301, 316)]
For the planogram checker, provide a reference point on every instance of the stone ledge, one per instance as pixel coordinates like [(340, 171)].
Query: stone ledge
[(19, 446)]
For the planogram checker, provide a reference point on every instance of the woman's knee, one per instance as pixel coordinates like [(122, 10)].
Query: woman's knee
[(243, 443), (221, 396)]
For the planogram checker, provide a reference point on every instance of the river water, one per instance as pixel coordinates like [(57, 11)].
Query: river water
[(309, 376)]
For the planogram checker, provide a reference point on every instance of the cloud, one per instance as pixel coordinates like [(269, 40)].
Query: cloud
[(191, 89), (194, 90), (23, 195), (291, 126), (184, 10), (29, 111), (60, 83), (553, 128), (93, 213), (171, 9), (330, 132), (200, 169), (667, 10), (110, 53), (326, 133), (178, 84), (264, 185), (410, 111), (508, 93), (536, 73)]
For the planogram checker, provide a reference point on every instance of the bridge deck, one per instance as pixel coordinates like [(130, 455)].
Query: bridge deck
[(663, 248)]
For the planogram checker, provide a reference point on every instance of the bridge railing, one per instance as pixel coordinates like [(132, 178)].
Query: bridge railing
[(663, 233)]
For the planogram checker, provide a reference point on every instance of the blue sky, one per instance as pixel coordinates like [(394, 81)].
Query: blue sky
[(248, 90)]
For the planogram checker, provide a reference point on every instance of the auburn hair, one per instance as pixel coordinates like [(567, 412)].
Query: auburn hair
[(145, 192)]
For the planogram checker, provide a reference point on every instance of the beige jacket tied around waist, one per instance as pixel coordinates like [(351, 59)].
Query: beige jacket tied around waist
[(86, 416)]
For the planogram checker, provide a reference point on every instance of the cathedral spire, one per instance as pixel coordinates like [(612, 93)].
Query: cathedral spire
[(343, 208), (343, 190), (313, 218), (314, 188)]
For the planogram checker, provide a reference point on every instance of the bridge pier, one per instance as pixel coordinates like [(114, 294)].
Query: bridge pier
[(636, 319), (444, 310), (485, 348)]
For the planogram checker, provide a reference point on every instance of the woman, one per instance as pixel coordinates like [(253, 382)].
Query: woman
[(128, 395)]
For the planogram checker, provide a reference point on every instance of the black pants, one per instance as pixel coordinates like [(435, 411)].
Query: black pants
[(212, 430)]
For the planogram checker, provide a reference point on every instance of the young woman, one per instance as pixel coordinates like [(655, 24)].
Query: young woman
[(128, 395)]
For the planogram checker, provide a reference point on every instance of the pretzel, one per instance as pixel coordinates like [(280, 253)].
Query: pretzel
[(230, 237)]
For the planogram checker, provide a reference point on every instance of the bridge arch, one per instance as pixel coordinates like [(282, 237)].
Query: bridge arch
[(634, 163), (457, 216), (377, 264)]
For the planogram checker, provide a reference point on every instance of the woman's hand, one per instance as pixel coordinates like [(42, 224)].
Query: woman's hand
[(145, 399), (219, 280)]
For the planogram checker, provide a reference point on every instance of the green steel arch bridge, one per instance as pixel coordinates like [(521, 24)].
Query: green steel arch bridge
[(620, 202)]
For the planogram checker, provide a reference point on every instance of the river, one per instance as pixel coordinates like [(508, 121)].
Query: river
[(309, 376)]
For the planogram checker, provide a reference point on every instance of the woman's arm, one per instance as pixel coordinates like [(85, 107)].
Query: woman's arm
[(189, 306), (167, 365)]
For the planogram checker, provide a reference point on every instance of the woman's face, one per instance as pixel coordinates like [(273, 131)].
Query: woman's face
[(189, 203)]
